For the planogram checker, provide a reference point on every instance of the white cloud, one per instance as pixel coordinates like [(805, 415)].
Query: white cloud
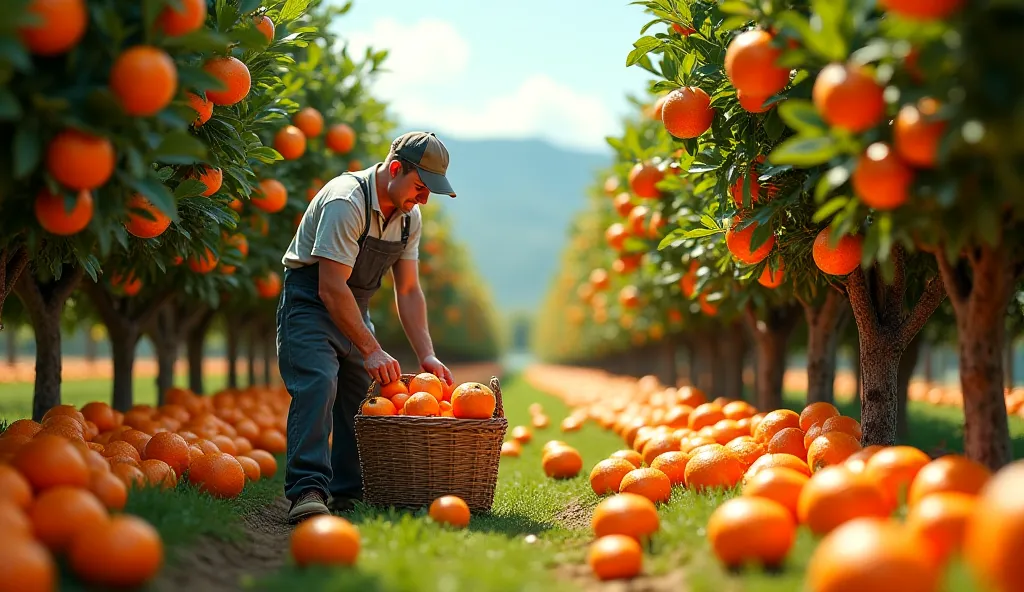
[(427, 84)]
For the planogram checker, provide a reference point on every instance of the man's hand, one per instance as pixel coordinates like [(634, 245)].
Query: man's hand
[(434, 366), (382, 367)]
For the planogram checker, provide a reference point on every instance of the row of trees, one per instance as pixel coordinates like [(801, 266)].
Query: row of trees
[(824, 162), (160, 157)]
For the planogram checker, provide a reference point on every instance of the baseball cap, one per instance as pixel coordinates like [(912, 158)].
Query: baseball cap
[(430, 157)]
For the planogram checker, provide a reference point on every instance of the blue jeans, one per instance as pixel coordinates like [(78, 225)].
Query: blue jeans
[(325, 376)]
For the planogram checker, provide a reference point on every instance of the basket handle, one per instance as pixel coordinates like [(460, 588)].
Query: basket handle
[(499, 409)]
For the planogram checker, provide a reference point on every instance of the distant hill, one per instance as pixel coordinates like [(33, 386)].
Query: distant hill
[(515, 201)]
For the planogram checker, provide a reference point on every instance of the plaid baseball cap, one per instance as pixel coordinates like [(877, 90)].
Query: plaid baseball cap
[(429, 156)]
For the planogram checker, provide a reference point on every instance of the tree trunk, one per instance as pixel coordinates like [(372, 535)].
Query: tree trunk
[(1008, 355), (858, 381), (231, 350), (879, 408), (980, 300), (13, 262), (705, 364), (669, 374), (44, 301), (250, 355), (824, 327), (729, 364), (12, 346), (927, 371), (166, 357), (771, 338), (194, 340), (122, 344), (908, 362), (90, 345)]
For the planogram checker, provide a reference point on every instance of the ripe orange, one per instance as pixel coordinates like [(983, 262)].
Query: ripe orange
[(751, 530), (325, 540), (705, 415), (643, 180), (144, 79), (626, 514), (425, 382), (847, 96), (14, 522), (109, 489), (290, 142), (614, 557), (776, 460), (204, 262), (630, 455), (753, 103), (48, 461), (948, 473), (268, 464), (816, 413), (893, 468), (341, 138), (616, 236), (751, 64), (858, 461), (62, 512), (673, 464), (881, 180), (52, 215), (773, 423), (713, 467), (144, 219), (746, 449), (212, 177), (870, 553), (687, 112), (378, 406), (940, 522), (772, 279), (788, 441), (310, 121), (835, 495), (922, 10), (740, 243), (511, 448), (450, 510), (994, 533), (15, 488), (393, 388), (916, 133), (264, 25), (472, 400), (422, 405), (841, 259), (233, 75), (562, 462), (779, 484), (842, 423), (831, 448), (170, 448), (80, 160), (174, 22), (218, 474), (28, 565), (268, 285), (648, 482), (125, 551), (203, 108), (63, 24), (250, 467), (271, 196), (158, 474)]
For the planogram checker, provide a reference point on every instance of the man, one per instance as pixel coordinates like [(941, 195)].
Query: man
[(359, 226)]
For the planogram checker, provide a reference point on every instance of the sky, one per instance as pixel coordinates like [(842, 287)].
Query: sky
[(539, 69)]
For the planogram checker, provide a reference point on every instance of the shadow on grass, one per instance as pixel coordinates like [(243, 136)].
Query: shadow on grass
[(508, 524)]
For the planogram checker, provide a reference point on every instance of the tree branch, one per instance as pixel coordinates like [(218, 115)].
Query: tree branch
[(63, 288), (934, 294), (104, 304), (750, 316), (957, 293), (11, 268), (28, 291), (860, 302), (151, 308)]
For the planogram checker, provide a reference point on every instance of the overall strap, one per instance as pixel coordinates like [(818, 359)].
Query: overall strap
[(365, 188), (405, 229)]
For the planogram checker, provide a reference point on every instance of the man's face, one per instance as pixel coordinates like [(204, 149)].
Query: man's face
[(406, 189)]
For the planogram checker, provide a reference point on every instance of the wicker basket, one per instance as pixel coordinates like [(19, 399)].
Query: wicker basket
[(410, 461)]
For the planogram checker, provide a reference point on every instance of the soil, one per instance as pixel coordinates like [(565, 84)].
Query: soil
[(583, 577)]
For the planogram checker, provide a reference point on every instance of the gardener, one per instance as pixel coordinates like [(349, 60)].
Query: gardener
[(359, 226)]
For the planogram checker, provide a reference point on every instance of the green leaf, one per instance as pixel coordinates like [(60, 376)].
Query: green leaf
[(672, 238), (804, 152), (179, 148), (801, 116), (831, 207), (27, 149), (709, 222), (642, 47), (156, 192), (737, 7), (292, 10), (10, 109), (702, 232)]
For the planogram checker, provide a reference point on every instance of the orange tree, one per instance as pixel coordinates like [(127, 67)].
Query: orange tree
[(930, 189)]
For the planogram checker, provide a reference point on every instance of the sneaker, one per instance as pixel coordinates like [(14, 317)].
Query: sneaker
[(309, 503)]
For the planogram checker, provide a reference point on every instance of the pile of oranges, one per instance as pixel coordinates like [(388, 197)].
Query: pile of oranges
[(790, 470), (948, 394), (427, 395), (64, 481)]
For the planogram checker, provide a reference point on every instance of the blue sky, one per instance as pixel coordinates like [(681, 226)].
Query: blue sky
[(549, 69)]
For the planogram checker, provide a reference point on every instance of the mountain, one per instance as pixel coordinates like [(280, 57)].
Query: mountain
[(515, 201)]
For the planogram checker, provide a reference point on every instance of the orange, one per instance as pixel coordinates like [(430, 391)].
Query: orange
[(109, 489), (673, 464), (158, 474), (751, 530), (423, 405), (218, 474), (648, 482), (472, 400), (325, 540), (450, 510), (175, 22), (842, 423), (427, 383), (772, 279), (922, 10), (562, 462), (643, 180), (705, 415), (788, 441), (27, 564), (268, 464), (399, 401), (737, 410), (212, 177), (14, 487), (831, 448), (250, 467), (290, 142), (341, 138), (62, 27), (626, 514), (270, 196), (847, 96), (269, 286), (882, 180), (740, 243), (48, 461), (264, 25), (992, 545), (630, 455), (746, 449), (61, 512), (511, 448), (940, 522), (21, 427), (917, 134), (841, 259), (125, 551), (835, 495), (378, 406), (894, 468), (686, 112), (170, 448), (751, 64), (948, 473), (773, 423), (656, 445), (752, 103), (614, 557), (13, 520), (713, 467), (144, 79), (202, 107), (393, 388), (310, 121), (779, 484), (816, 413), (858, 461), (233, 75), (150, 224), (52, 213), (80, 160)]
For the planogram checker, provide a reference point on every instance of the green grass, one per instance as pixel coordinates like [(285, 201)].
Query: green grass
[(405, 551)]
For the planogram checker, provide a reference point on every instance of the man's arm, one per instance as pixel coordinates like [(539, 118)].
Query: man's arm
[(344, 311), (412, 312)]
